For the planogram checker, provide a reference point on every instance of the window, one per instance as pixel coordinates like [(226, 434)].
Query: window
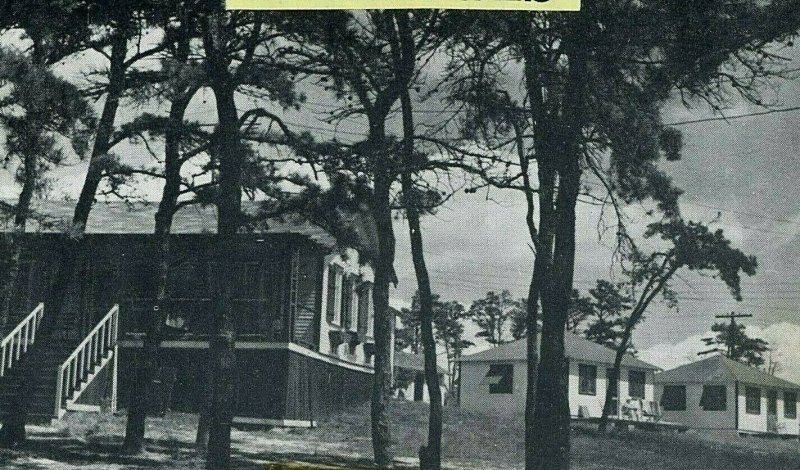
[(752, 400), (587, 379), (790, 405), (501, 378), (364, 292), (347, 302), (674, 398), (714, 398), (636, 384), (330, 314)]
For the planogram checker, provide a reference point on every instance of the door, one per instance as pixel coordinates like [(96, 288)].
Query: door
[(772, 411), (612, 384)]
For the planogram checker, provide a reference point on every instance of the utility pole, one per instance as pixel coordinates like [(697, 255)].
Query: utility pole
[(732, 329)]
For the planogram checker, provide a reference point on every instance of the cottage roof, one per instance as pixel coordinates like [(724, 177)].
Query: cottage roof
[(404, 360), (576, 348), (122, 218), (721, 368)]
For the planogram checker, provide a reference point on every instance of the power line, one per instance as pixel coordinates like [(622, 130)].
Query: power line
[(736, 116), (675, 123), (747, 214)]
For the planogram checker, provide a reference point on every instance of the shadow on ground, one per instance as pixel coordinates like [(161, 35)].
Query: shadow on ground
[(104, 452)]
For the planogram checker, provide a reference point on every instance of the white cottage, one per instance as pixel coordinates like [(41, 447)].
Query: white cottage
[(720, 393), (496, 379)]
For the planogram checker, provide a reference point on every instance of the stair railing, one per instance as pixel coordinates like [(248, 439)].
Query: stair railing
[(16, 342), (96, 349)]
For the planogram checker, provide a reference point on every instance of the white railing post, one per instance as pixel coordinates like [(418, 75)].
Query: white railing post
[(116, 322), (25, 337), (114, 380), (59, 392)]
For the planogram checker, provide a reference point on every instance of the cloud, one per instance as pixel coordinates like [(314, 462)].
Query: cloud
[(668, 356), (782, 337)]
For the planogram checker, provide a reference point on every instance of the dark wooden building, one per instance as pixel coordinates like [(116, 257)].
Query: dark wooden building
[(303, 315)]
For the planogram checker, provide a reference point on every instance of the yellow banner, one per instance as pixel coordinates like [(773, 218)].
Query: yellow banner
[(533, 5)]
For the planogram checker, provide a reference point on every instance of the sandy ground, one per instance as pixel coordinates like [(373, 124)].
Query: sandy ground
[(471, 440)]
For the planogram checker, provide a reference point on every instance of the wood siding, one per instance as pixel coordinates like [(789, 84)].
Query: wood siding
[(121, 269), (307, 311), (272, 383), (316, 388)]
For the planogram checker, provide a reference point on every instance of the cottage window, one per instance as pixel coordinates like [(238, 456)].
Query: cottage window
[(636, 379), (330, 313), (752, 400), (587, 379), (714, 398), (500, 378), (674, 398), (347, 302), (790, 405), (364, 292)]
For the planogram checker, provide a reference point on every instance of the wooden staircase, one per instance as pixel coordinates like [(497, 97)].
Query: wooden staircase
[(61, 368)]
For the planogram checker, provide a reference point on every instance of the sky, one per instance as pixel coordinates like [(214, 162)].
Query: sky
[(743, 173)]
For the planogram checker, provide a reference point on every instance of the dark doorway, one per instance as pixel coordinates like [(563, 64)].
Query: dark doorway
[(772, 411)]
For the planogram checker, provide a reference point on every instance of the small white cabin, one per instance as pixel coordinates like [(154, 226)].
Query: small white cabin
[(496, 379), (720, 393)]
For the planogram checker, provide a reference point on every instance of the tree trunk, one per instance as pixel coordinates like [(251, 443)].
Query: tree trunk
[(551, 416), (384, 262), (201, 437), (105, 128), (223, 357), (13, 428), (21, 212), (13, 433), (430, 454), (150, 360), (656, 285), (563, 138), (609, 399)]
